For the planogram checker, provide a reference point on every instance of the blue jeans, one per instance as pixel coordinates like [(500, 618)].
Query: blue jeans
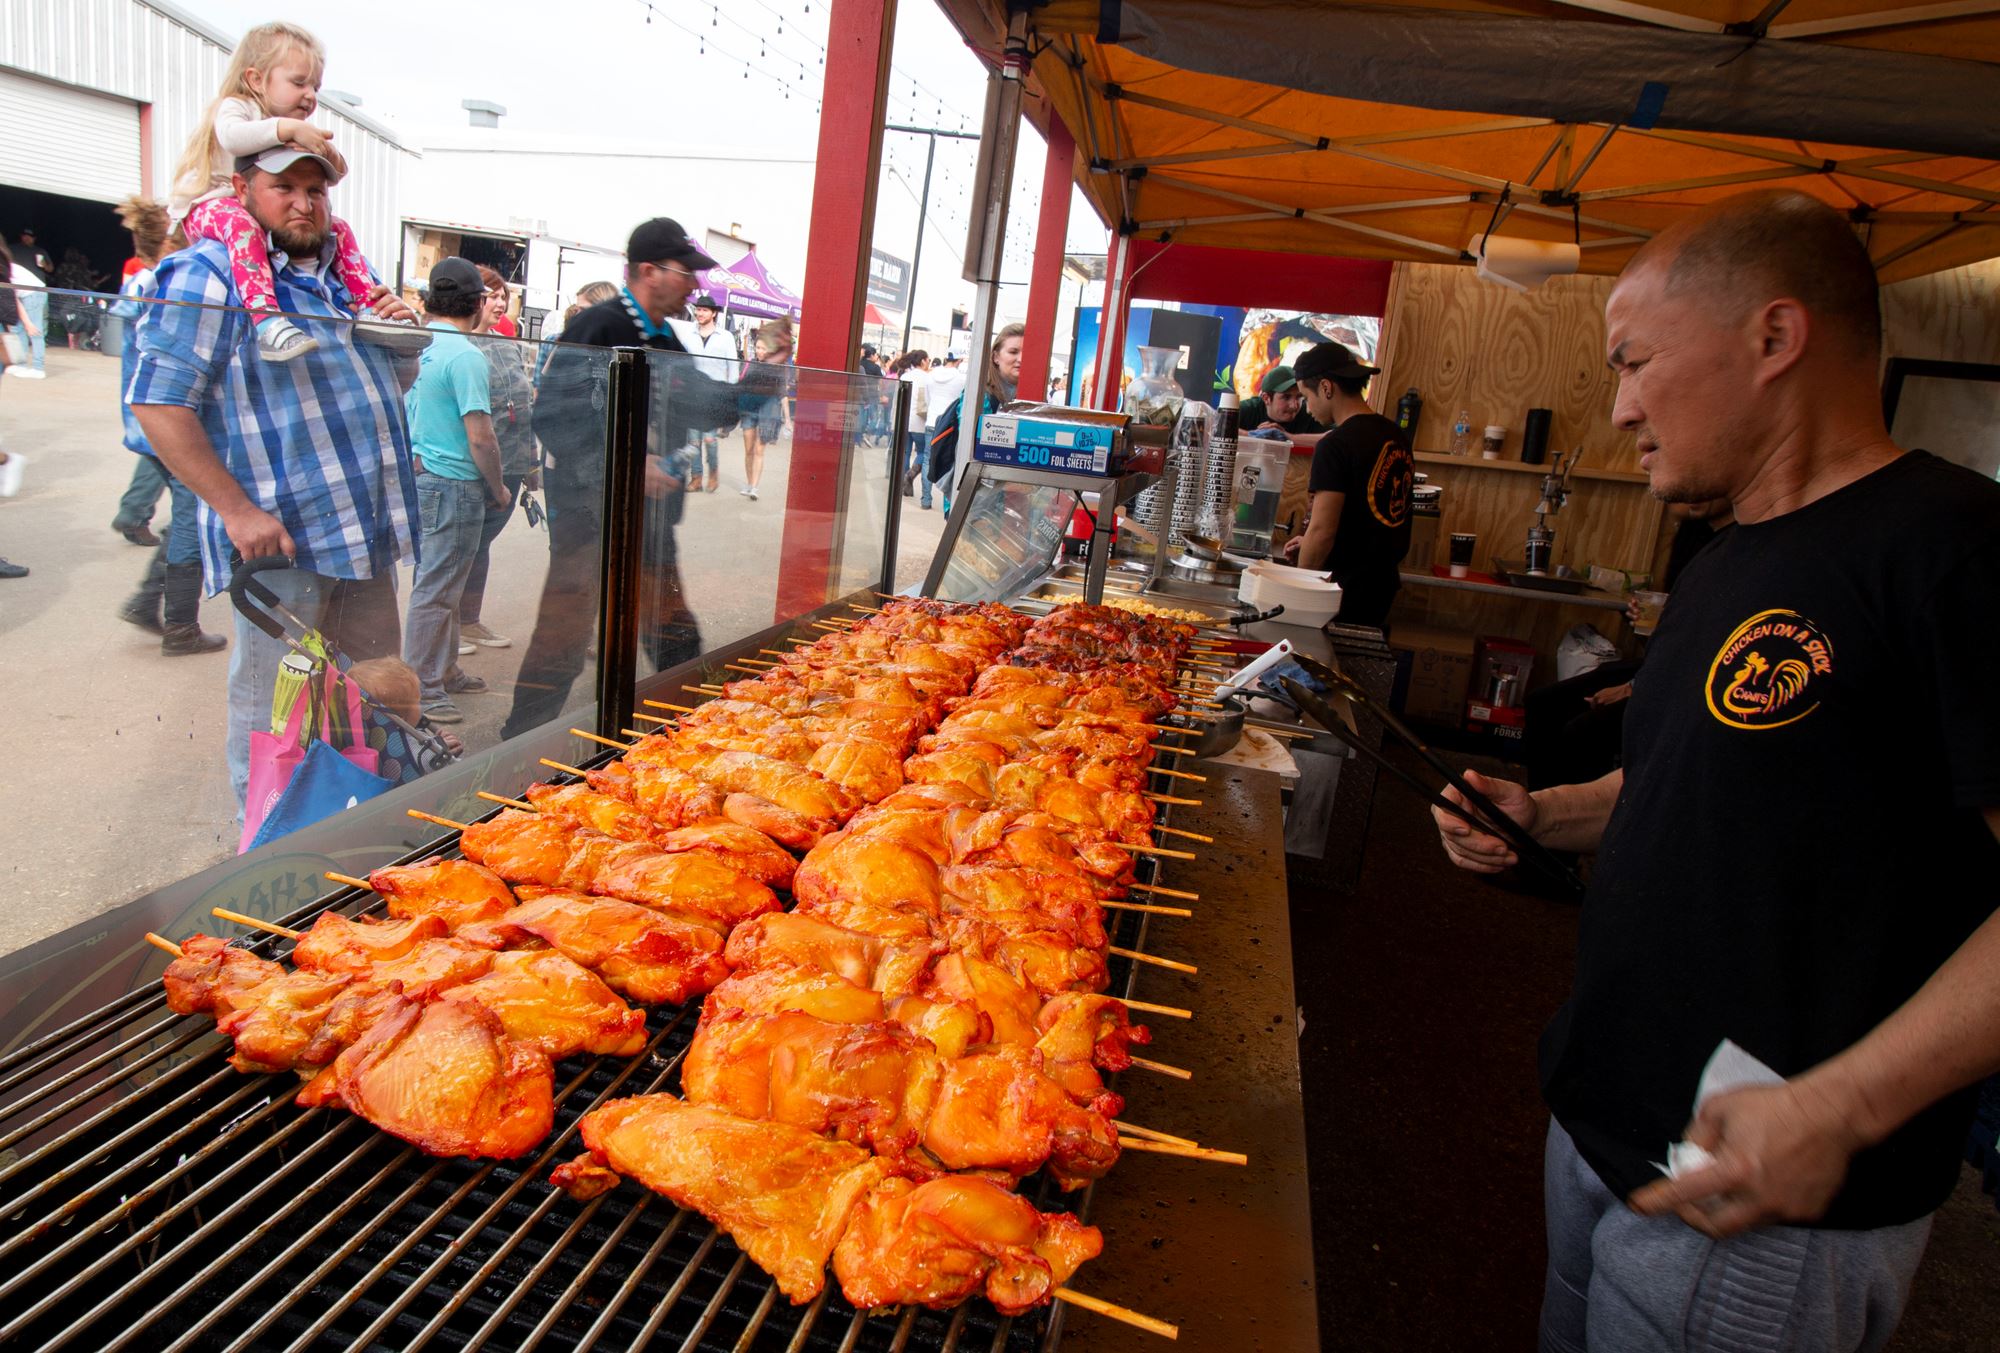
[(183, 543), (142, 495), (914, 462), (1622, 1283), (454, 513), (35, 310), (358, 619)]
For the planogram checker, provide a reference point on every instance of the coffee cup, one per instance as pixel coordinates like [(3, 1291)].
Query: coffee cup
[(1462, 545)]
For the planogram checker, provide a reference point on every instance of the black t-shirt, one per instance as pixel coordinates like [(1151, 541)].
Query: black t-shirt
[(1367, 459), (1798, 845), (1254, 414)]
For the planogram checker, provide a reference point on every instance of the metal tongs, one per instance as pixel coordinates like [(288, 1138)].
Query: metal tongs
[(1478, 811)]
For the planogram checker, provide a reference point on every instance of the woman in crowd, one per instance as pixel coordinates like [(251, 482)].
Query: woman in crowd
[(764, 388), (1000, 380), (914, 369), (513, 397)]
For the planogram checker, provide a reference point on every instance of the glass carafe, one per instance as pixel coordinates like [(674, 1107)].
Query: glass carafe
[(1152, 396)]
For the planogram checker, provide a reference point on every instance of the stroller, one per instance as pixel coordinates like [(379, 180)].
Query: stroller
[(331, 744)]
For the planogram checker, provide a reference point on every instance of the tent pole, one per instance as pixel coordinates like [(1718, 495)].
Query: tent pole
[(992, 186), (917, 254), (1051, 242)]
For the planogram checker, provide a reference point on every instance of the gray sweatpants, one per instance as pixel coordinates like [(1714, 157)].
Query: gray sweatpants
[(1622, 1283)]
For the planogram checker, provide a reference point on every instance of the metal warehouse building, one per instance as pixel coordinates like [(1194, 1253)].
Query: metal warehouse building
[(97, 98)]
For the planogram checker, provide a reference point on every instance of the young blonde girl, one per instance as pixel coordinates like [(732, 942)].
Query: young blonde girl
[(268, 92)]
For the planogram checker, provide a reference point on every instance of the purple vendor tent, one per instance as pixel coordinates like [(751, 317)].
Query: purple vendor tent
[(746, 288)]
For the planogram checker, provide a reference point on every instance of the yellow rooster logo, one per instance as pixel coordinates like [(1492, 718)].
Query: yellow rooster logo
[(1758, 688), (1765, 670)]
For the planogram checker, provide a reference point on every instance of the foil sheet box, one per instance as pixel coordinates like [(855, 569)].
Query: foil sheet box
[(1053, 437)]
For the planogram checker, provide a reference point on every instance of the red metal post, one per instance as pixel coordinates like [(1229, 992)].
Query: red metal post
[(1045, 282), (853, 103), (1107, 389)]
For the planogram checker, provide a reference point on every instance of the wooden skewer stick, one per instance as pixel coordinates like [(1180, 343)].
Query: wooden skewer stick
[(1120, 1313), (655, 718), (637, 733), (567, 770), (1132, 954), (706, 690), (1146, 907), (745, 667), (162, 942), (1179, 774), (1296, 734), (1190, 1152), (1126, 1129), (829, 625), (1201, 715), (1168, 798), (598, 737), (1153, 850), (1152, 1009), (440, 821), (865, 610), (1192, 836), (661, 704), (1158, 891), (511, 803), (255, 924), (1178, 1073), (775, 653), (349, 880)]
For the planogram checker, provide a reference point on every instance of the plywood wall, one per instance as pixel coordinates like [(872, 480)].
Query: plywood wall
[(1949, 316), (1466, 343)]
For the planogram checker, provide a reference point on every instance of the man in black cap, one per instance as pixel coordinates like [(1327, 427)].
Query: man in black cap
[(1362, 474), (570, 414)]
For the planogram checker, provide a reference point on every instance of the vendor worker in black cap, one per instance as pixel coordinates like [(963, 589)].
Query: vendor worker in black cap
[(1362, 475), (570, 415), (1279, 406)]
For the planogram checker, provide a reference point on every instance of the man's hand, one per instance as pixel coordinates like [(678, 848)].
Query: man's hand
[(1291, 548), (388, 305), (658, 482), (1475, 850), (256, 533), (1268, 426), (533, 482), (1609, 696), (1781, 1152), (496, 494)]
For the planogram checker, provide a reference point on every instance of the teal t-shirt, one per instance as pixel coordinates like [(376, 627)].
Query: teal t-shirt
[(451, 383)]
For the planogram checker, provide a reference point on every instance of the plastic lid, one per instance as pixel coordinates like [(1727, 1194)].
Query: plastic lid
[(1495, 430), (1227, 400)]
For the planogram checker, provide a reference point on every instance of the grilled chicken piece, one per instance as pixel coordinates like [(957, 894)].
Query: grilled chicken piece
[(865, 769), (279, 1030), (937, 1243), (790, 787), (1045, 962), (1009, 1008), (553, 1003), (951, 1029), (873, 1083), (578, 805), (1026, 899), (782, 1193), (1088, 1029), (212, 976), (339, 943), (445, 1077), (531, 849), (678, 799), (460, 891), (653, 957), (735, 846), (871, 867), (892, 968), (999, 1111)]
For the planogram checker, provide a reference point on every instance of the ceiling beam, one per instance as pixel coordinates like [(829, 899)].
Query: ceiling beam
[(1244, 199), (1646, 14), (1708, 181), (1200, 156), (1888, 18)]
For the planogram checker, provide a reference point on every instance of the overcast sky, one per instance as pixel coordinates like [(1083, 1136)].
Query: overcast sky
[(586, 67)]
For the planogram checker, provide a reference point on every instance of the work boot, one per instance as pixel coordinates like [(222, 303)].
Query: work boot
[(182, 636), (142, 608)]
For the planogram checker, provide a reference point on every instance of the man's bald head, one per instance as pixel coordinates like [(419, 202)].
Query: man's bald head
[(1753, 248)]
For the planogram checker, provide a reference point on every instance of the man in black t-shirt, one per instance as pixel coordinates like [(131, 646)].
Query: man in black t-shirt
[(1799, 855), (1362, 475)]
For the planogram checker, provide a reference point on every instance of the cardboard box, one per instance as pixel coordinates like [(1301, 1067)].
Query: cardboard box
[(1500, 671), (1433, 672)]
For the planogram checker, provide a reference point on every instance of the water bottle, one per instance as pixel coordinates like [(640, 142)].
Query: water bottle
[(1461, 434)]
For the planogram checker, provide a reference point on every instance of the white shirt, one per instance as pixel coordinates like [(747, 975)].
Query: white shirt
[(947, 384), (920, 395), (718, 343)]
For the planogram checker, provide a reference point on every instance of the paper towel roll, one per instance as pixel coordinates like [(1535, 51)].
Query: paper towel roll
[(1522, 264)]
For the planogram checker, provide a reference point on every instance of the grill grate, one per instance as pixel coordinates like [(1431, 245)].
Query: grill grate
[(152, 1197)]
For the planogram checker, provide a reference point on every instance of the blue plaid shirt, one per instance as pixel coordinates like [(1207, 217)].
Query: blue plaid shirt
[(319, 442)]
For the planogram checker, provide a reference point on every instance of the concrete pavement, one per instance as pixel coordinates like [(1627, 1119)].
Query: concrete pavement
[(116, 781)]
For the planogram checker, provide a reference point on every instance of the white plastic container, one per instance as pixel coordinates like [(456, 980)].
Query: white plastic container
[(1309, 600)]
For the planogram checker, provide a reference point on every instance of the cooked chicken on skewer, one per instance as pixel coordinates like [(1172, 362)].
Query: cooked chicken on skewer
[(212, 976), (792, 1201), (532, 848), (743, 849), (651, 956), (676, 799), (984, 769), (953, 1029), (459, 891), (445, 1077), (793, 788)]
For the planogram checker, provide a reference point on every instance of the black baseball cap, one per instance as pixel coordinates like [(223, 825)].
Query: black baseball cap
[(706, 302), (663, 241), (455, 276), (1331, 361)]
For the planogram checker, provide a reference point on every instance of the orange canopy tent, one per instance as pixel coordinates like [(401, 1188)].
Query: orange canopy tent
[(1406, 128)]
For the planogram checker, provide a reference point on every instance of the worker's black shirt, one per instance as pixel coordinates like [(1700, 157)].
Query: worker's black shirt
[(1368, 459), (1798, 845)]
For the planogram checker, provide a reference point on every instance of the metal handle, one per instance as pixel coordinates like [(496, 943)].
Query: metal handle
[(244, 581)]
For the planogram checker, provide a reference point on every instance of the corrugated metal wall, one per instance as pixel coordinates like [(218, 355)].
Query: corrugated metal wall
[(155, 54)]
